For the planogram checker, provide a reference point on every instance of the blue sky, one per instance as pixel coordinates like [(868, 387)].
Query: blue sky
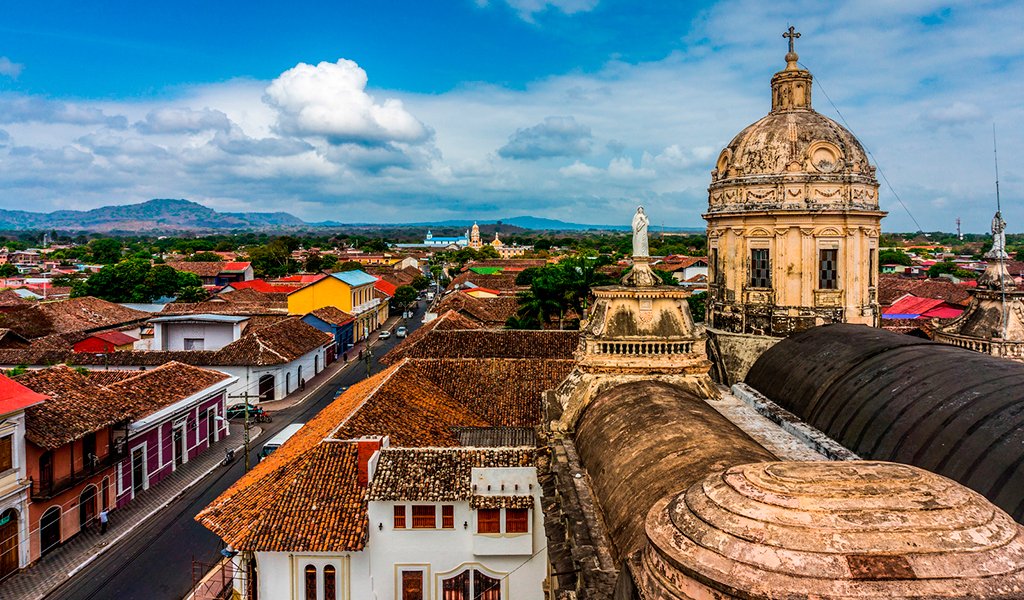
[(575, 109)]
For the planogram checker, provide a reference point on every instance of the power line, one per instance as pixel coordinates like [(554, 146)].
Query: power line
[(878, 166)]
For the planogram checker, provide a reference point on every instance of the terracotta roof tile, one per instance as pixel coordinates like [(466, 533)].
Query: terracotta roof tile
[(332, 315), (9, 299), (277, 343), (490, 312), (85, 314), (438, 474), (76, 406), (149, 391), (892, 288), (504, 281), (200, 268), (485, 343)]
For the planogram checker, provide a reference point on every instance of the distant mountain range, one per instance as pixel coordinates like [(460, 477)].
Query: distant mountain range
[(161, 215), (173, 216)]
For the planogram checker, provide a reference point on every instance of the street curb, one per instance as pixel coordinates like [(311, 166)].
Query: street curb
[(184, 488)]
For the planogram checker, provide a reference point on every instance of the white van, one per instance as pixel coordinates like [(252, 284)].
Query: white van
[(278, 440)]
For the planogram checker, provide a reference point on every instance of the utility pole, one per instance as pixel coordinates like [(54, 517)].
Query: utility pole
[(245, 436), (958, 233)]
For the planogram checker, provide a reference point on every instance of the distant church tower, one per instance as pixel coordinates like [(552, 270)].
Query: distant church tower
[(474, 237), (793, 220)]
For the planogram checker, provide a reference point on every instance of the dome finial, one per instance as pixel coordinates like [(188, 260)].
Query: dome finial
[(791, 56)]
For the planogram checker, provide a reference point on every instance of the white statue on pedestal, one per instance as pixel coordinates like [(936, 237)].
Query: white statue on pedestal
[(640, 223), (998, 250)]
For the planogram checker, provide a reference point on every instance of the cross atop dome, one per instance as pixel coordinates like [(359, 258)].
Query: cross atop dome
[(791, 56)]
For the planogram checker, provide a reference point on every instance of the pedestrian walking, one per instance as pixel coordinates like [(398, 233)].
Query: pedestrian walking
[(103, 521), (344, 356)]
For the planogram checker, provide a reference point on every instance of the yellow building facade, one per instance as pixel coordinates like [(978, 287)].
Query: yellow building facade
[(793, 220), (350, 291)]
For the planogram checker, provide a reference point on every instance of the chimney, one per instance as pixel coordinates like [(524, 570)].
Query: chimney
[(367, 449)]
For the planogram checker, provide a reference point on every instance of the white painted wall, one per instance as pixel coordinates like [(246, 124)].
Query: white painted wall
[(375, 572), (171, 336), (14, 485)]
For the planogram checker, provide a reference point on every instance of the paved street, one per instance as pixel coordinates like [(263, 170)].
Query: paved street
[(155, 561)]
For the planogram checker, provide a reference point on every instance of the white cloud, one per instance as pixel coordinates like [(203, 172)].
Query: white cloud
[(9, 68), (526, 9), (556, 136), (318, 142), (329, 100), (183, 120)]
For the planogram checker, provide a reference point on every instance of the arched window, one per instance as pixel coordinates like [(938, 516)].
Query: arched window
[(316, 365), (287, 383), (330, 583), (471, 584), (310, 582)]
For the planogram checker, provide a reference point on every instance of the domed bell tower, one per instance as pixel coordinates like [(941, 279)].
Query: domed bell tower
[(793, 220)]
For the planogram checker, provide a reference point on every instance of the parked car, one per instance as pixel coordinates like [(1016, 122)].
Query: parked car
[(384, 335), (400, 332), (256, 413)]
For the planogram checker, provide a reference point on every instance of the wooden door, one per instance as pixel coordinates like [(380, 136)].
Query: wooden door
[(49, 530), (138, 470), (8, 542), (412, 585), (87, 506), (179, 446)]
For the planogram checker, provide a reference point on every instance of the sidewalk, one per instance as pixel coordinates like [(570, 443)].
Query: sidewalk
[(42, 577)]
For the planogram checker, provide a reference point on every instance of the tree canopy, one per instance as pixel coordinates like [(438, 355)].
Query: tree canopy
[(135, 280)]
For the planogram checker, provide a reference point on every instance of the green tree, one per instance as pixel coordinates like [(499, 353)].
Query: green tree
[(377, 245), (698, 306), (405, 295), (420, 283), (135, 280), (192, 293), (8, 270), (314, 262), (328, 261), (948, 266), (487, 251), (893, 257), (105, 251), (349, 265), (271, 260), (204, 257)]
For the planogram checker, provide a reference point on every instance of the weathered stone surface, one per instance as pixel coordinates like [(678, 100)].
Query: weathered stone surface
[(829, 531), (895, 397), (642, 441)]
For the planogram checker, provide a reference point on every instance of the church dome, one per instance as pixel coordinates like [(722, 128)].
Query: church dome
[(830, 530), (792, 141), (792, 146)]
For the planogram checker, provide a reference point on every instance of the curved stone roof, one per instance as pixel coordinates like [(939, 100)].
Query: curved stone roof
[(888, 396), (769, 145), (644, 440), (831, 530)]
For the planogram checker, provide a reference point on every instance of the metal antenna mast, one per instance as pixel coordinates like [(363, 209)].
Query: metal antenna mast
[(1002, 256)]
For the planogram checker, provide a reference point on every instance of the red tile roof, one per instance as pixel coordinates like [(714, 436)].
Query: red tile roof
[(15, 397), (333, 315), (894, 287), (261, 285), (491, 312), (117, 338), (85, 314), (386, 287), (235, 267), (149, 391), (75, 407), (438, 474), (200, 268)]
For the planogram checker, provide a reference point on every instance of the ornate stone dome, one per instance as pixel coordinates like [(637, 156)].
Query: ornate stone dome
[(793, 156), (830, 530), (793, 141)]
